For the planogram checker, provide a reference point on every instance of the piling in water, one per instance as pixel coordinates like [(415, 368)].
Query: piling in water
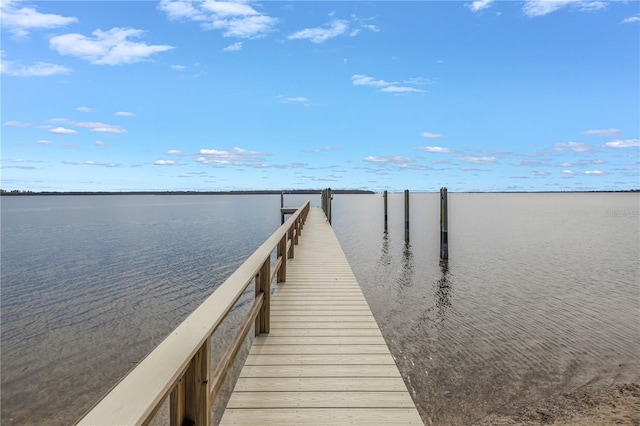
[(406, 215), (384, 195), (281, 207), (444, 237)]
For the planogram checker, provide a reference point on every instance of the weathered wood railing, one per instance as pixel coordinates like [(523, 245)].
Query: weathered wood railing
[(179, 367)]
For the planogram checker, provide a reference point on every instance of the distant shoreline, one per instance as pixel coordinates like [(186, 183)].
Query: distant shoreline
[(248, 192), (289, 192)]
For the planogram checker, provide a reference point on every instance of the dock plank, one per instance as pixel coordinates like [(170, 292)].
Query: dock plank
[(320, 400), (324, 416), (315, 359), (325, 360)]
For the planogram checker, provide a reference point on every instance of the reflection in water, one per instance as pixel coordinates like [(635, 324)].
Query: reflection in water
[(407, 268), (443, 290), (547, 308), (385, 258)]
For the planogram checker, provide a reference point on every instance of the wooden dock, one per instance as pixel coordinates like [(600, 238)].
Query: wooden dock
[(318, 358), (324, 360)]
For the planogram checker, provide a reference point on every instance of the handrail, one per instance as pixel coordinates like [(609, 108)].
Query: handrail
[(179, 366)]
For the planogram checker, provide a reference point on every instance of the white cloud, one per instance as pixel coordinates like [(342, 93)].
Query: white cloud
[(626, 143), (182, 10), (384, 86), (39, 69), (394, 159), (430, 135), (572, 146), (165, 163), (247, 27), (435, 149), (320, 35), (539, 173), (293, 99), (14, 123), (21, 20), (534, 8), (237, 156), (233, 47), (124, 114), (63, 131), (85, 109), (568, 172), (631, 19), (234, 19), (413, 167), (602, 132), (111, 47), (479, 5), (44, 142), (370, 27), (400, 89), (175, 152), (178, 67), (100, 143), (94, 126), (95, 163), (225, 8), (419, 81), (365, 80), (478, 160), (595, 172), (323, 149)]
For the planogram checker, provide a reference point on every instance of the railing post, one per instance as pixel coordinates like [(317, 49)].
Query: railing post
[(176, 404), (282, 253), (196, 388), (290, 238), (263, 285)]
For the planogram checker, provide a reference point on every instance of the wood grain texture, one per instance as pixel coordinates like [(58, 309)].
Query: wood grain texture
[(325, 360)]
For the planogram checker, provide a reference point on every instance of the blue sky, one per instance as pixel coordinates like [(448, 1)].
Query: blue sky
[(483, 95)]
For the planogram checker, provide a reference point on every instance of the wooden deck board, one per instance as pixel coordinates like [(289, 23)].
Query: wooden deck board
[(315, 359), (325, 360), (320, 400), (323, 416)]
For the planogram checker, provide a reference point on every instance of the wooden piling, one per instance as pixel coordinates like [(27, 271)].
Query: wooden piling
[(406, 215), (281, 207), (444, 226), (325, 201), (330, 197), (385, 196)]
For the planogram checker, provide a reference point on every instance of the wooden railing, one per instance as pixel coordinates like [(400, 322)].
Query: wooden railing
[(179, 367)]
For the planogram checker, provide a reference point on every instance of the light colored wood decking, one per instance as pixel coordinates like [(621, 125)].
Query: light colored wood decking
[(324, 361)]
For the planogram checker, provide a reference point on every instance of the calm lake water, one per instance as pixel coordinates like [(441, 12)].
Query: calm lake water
[(540, 296)]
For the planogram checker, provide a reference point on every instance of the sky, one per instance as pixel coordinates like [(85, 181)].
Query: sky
[(486, 95)]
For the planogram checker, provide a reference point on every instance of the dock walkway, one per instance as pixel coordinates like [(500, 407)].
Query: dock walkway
[(324, 360)]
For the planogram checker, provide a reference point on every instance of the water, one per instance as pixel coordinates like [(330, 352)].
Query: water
[(540, 295)]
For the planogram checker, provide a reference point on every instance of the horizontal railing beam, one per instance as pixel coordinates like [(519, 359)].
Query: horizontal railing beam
[(222, 370)]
